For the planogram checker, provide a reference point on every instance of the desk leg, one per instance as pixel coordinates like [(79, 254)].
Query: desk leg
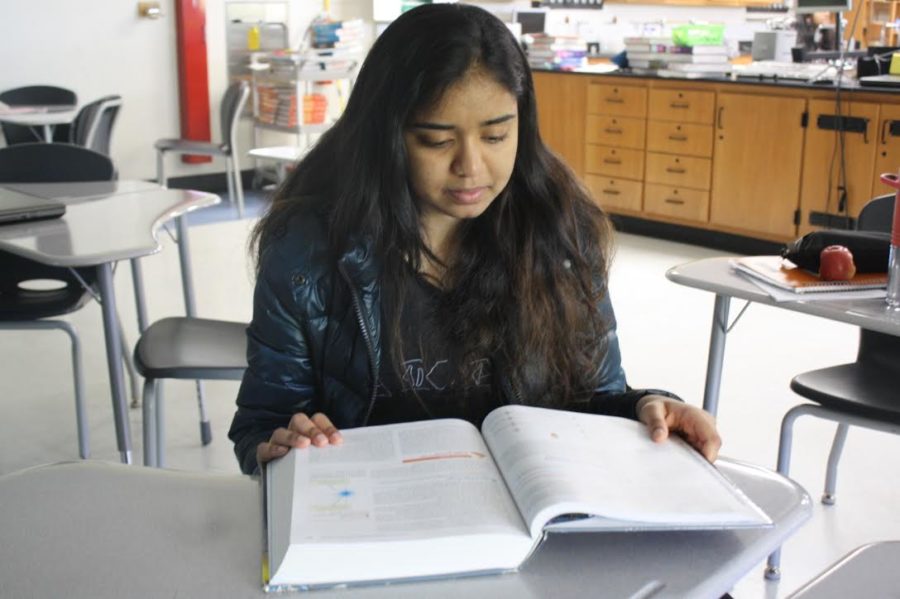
[(716, 354), (48, 133), (184, 256), (114, 360), (140, 301), (187, 285)]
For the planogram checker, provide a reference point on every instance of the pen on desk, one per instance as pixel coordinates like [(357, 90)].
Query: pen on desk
[(648, 590)]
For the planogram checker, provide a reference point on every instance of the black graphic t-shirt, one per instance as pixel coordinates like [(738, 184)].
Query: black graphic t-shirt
[(432, 381)]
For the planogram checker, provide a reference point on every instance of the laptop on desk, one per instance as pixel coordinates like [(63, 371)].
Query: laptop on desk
[(880, 81), (18, 207)]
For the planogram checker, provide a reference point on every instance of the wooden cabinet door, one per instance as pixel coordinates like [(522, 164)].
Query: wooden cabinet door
[(887, 153), (561, 115), (822, 170), (756, 164)]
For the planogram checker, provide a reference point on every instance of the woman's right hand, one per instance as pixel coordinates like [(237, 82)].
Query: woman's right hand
[(302, 431)]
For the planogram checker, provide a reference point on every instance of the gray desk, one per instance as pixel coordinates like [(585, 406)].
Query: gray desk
[(91, 529), (715, 275), (45, 117), (867, 571), (105, 222)]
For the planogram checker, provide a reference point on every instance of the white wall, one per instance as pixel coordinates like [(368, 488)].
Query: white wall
[(100, 47)]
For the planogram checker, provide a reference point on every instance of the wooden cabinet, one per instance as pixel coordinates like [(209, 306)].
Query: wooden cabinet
[(561, 108), (837, 181), (744, 158), (887, 152), (679, 153), (615, 124), (757, 158)]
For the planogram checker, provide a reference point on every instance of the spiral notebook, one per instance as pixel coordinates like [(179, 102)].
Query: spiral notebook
[(784, 274)]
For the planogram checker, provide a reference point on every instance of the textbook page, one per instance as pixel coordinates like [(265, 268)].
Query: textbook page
[(395, 501), (559, 463)]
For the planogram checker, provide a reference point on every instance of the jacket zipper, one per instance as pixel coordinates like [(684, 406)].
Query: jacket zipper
[(357, 309)]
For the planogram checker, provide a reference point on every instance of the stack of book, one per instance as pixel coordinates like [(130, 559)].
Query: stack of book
[(665, 58), (647, 53), (556, 52), (277, 105), (697, 61)]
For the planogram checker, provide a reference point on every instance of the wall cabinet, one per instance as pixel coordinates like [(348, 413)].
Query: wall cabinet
[(887, 152), (758, 154), (827, 188), (615, 141), (749, 159)]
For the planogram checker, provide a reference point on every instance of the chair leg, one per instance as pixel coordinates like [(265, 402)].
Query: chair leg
[(160, 426), (232, 199), (205, 429), (149, 422), (238, 184), (84, 446), (160, 168), (773, 564), (837, 446)]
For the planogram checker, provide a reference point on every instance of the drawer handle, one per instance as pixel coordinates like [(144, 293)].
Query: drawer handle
[(675, 201), (614, 130), (676, 170), (678, 137), (679, 105), (615, 100), (612, 161), (611, 192)]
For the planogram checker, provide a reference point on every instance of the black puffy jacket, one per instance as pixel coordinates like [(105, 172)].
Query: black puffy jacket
[(314, 344)]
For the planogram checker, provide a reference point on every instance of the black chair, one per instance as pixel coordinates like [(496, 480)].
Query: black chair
[(230, 112), (862, 393), (44, 95), (189, 349), (93, 126), (39, 162), (27, 305)]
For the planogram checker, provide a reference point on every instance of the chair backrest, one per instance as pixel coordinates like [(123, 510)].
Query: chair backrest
[(231, 108), (48, 95), (53, 163), (38, 94), (877, 214), (93, 126), (878, 348)]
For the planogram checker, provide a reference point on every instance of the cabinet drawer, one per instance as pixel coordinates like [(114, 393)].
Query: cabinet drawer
[(611, 194), (621, 131), (682, 105), (620, 163), (680, 138), (677, 202), (678, 171), (621, 100)]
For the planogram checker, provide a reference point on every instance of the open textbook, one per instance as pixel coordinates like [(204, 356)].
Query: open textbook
[(438, 498)]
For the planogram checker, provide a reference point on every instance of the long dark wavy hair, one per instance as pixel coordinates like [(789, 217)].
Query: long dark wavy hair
[(525, 282)]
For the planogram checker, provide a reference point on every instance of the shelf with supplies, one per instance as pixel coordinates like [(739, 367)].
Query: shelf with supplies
[(301, 92)]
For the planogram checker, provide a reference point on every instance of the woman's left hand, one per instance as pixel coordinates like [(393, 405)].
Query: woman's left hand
[(664, 415)]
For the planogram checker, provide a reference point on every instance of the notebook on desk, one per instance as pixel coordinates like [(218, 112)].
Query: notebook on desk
[(18, 207)]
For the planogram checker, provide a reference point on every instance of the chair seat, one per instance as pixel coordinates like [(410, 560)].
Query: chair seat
[(187, 146), (192, 348), (857, 389)]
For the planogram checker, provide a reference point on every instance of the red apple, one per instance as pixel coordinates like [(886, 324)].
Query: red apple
[(836, 264)]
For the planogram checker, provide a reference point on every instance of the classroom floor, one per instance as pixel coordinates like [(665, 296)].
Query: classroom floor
[(664, 333)]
